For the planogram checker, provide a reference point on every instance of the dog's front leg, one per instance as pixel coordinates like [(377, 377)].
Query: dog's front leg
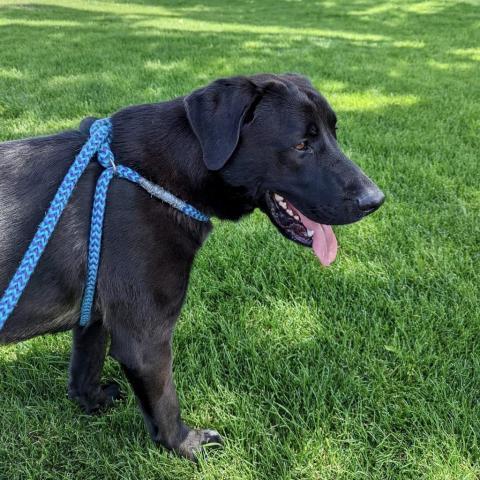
[(146, 359), (86, 364)]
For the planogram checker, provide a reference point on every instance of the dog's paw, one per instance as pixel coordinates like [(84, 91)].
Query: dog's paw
[(111, 392), (97, 400), (195, 441)]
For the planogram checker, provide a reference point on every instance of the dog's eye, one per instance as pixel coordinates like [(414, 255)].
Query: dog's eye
[(301, 147)]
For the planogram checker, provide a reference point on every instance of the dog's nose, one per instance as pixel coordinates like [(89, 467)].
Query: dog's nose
[(369, 201)]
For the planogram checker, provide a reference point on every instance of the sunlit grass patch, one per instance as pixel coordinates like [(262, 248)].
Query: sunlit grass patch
[(470, 53), (367, 370), (370, 100)]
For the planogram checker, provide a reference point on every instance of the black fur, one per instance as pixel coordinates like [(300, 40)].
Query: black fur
[(222, 149)]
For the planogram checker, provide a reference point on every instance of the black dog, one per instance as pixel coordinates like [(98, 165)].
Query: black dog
[(265, 141)]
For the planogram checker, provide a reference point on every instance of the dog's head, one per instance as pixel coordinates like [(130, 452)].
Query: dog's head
[(275, 137)]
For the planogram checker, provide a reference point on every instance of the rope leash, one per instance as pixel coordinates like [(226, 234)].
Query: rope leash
[(98, 143)]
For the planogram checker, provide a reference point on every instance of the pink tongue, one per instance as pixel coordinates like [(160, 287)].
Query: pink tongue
[(324, 241)]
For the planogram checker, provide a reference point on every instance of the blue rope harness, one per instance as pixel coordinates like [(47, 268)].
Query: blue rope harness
[(98, 143)]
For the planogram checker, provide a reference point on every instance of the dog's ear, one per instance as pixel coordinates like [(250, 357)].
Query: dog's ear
[(216, 114)]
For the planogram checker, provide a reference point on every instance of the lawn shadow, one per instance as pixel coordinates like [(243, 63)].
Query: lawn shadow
[(305, 356), (134, 57)]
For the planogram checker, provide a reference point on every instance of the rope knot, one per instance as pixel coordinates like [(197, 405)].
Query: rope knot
[(105, 157), (103, 126)]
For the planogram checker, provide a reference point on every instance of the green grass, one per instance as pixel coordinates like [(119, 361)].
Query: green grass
[(367, 370)]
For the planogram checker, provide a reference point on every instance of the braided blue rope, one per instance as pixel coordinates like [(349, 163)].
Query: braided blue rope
[(99, 143)]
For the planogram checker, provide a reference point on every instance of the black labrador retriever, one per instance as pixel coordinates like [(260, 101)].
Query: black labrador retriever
[(264, 141)]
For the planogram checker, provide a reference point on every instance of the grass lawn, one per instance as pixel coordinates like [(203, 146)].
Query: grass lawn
[(367, 370)]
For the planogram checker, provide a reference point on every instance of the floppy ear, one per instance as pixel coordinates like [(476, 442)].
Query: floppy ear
[(216, 114)]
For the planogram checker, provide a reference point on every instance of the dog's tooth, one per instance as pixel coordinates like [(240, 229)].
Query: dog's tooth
[(278, 197), (290, 212), (297, 218), (310, 233), (283, 205)]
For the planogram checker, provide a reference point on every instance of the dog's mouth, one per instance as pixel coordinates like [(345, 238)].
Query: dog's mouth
[(298, 228)]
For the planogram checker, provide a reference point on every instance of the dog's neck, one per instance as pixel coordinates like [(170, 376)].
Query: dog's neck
[(158, 142)]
